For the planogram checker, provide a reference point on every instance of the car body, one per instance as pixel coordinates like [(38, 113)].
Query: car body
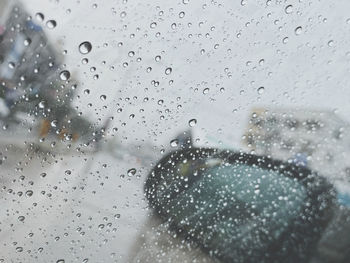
[(240, 207)]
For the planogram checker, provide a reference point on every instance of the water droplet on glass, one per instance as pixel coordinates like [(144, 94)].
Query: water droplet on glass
[(131, 172), (158, 58), (54, 123), (85, 47), (29, 193), (206, 91), (68, 172), (27, 42), (288, 9), (261, 90), (19, 249), (330, 43), (192, 122), (60, 261), (174, 143), (103, 97), (64, 75), (298, 30), (168, 71), (42, 104), (51, 24), (12, 65), (153, 25), (21, 218), (131, 53), (40, 17), (181, 14)]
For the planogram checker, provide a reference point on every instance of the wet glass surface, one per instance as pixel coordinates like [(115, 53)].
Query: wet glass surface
[(110, 112)]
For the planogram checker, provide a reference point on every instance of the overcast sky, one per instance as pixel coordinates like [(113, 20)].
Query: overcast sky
[(298, 54)]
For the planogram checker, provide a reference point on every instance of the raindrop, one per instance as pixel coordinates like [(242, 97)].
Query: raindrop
[(192, 122), (84, 61), (131, 53), (85, 47), (40, 17), (174, 143), (87, 91), (42, 104), (60, 261), (43, 175), (181, 14), (27, 42), (29, 193), (68, 172), (298, 30), (206, 91), (285, 40), (103, 97), (12, 65), (54, 123), (51, 24), (21, 218), (288, 9), (153, 25), (131, 172), (158, 58), (19, 249), (330, 43), (261, 90), (168, 71), (185, 2), (64, 75)]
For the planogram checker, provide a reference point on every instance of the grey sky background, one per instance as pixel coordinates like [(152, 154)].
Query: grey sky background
[(244, 46)]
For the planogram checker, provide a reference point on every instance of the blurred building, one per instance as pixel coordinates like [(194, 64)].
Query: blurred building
[(318, 139), (33, 81)]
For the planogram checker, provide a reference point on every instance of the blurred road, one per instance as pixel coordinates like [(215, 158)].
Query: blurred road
[(70, 206)]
